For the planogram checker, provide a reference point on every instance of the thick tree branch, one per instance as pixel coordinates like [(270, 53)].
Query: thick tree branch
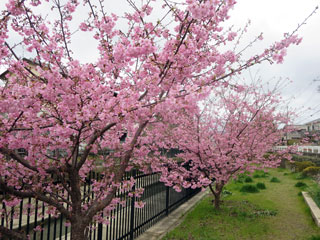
[(92, 140), (41, 196), (99, 205), (18, 158)]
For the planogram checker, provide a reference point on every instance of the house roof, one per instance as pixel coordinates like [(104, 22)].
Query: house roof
[(3, 75)]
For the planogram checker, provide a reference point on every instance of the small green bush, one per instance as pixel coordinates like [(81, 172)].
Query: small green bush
[(248, 179), (285, 174), (311, 171), (275, 180), (300, 166), (260, 174), (249, 188), (300, 184), (261, 185), (300, 176), (314, 238), (226, 192), (263, 213), (240, 178)]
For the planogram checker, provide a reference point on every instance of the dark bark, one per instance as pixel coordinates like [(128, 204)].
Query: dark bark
[(217, 201), (217, 194), (78, 231), (6, 233)]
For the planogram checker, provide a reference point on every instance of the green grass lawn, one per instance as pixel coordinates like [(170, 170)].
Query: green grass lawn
[(275, 213)]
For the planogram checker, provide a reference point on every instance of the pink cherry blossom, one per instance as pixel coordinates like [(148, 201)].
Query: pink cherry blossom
[(64, 112)]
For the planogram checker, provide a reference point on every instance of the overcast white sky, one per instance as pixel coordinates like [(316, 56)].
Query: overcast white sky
[(273, 18), (302, 64)]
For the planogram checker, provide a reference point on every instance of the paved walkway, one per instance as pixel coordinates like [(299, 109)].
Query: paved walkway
[(160, 229)]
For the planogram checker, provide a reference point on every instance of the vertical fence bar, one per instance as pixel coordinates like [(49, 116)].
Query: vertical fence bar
[(49, 223), (122, 216), (138, 214), (127, 199), (28, 216), (138, 211), (100, 227), (66, 226), (3, 209), (111, 224), (114, 232), (92, 195), (60, 226), (20, 215), (99, 235), (42, 220), (148, 212), (12, 216), (107, 229), (89, 194), (144, 182), (167, 200), (132, 209), (35, 220), (55, 228)]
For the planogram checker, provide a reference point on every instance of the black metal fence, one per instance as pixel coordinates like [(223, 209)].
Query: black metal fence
[(126, 221)]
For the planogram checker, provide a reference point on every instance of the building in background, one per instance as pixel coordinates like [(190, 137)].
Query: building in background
[(309, 131)]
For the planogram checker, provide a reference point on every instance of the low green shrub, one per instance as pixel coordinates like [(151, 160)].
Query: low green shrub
[(275, 180), (248, 179), (260, 174), (314, 237), (263, 213), (301, 158), (300, 166), (300, 184), (226, 192), (249, 188), (300, 176), (240, 178), (311, 171), (261, 185)]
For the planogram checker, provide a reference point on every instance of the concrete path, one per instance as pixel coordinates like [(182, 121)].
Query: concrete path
[(160, 229)]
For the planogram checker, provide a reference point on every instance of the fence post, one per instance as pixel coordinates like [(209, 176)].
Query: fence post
[(132, 208), (100, 231), (100, 227), (167, 200)]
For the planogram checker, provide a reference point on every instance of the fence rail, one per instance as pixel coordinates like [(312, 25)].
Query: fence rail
[(126, 221)]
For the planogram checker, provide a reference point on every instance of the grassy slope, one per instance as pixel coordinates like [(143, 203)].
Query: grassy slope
[(238, 220)]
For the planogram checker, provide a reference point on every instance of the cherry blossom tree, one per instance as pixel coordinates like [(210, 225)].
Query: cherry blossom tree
[(230, 135), (53, 102)]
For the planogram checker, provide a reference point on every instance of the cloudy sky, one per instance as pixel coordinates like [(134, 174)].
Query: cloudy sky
[(273, 18), (302, 64)]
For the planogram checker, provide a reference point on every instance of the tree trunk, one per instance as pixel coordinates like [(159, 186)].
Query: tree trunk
[(217, 201), (6, 233), (78, 231), (217, 194)]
